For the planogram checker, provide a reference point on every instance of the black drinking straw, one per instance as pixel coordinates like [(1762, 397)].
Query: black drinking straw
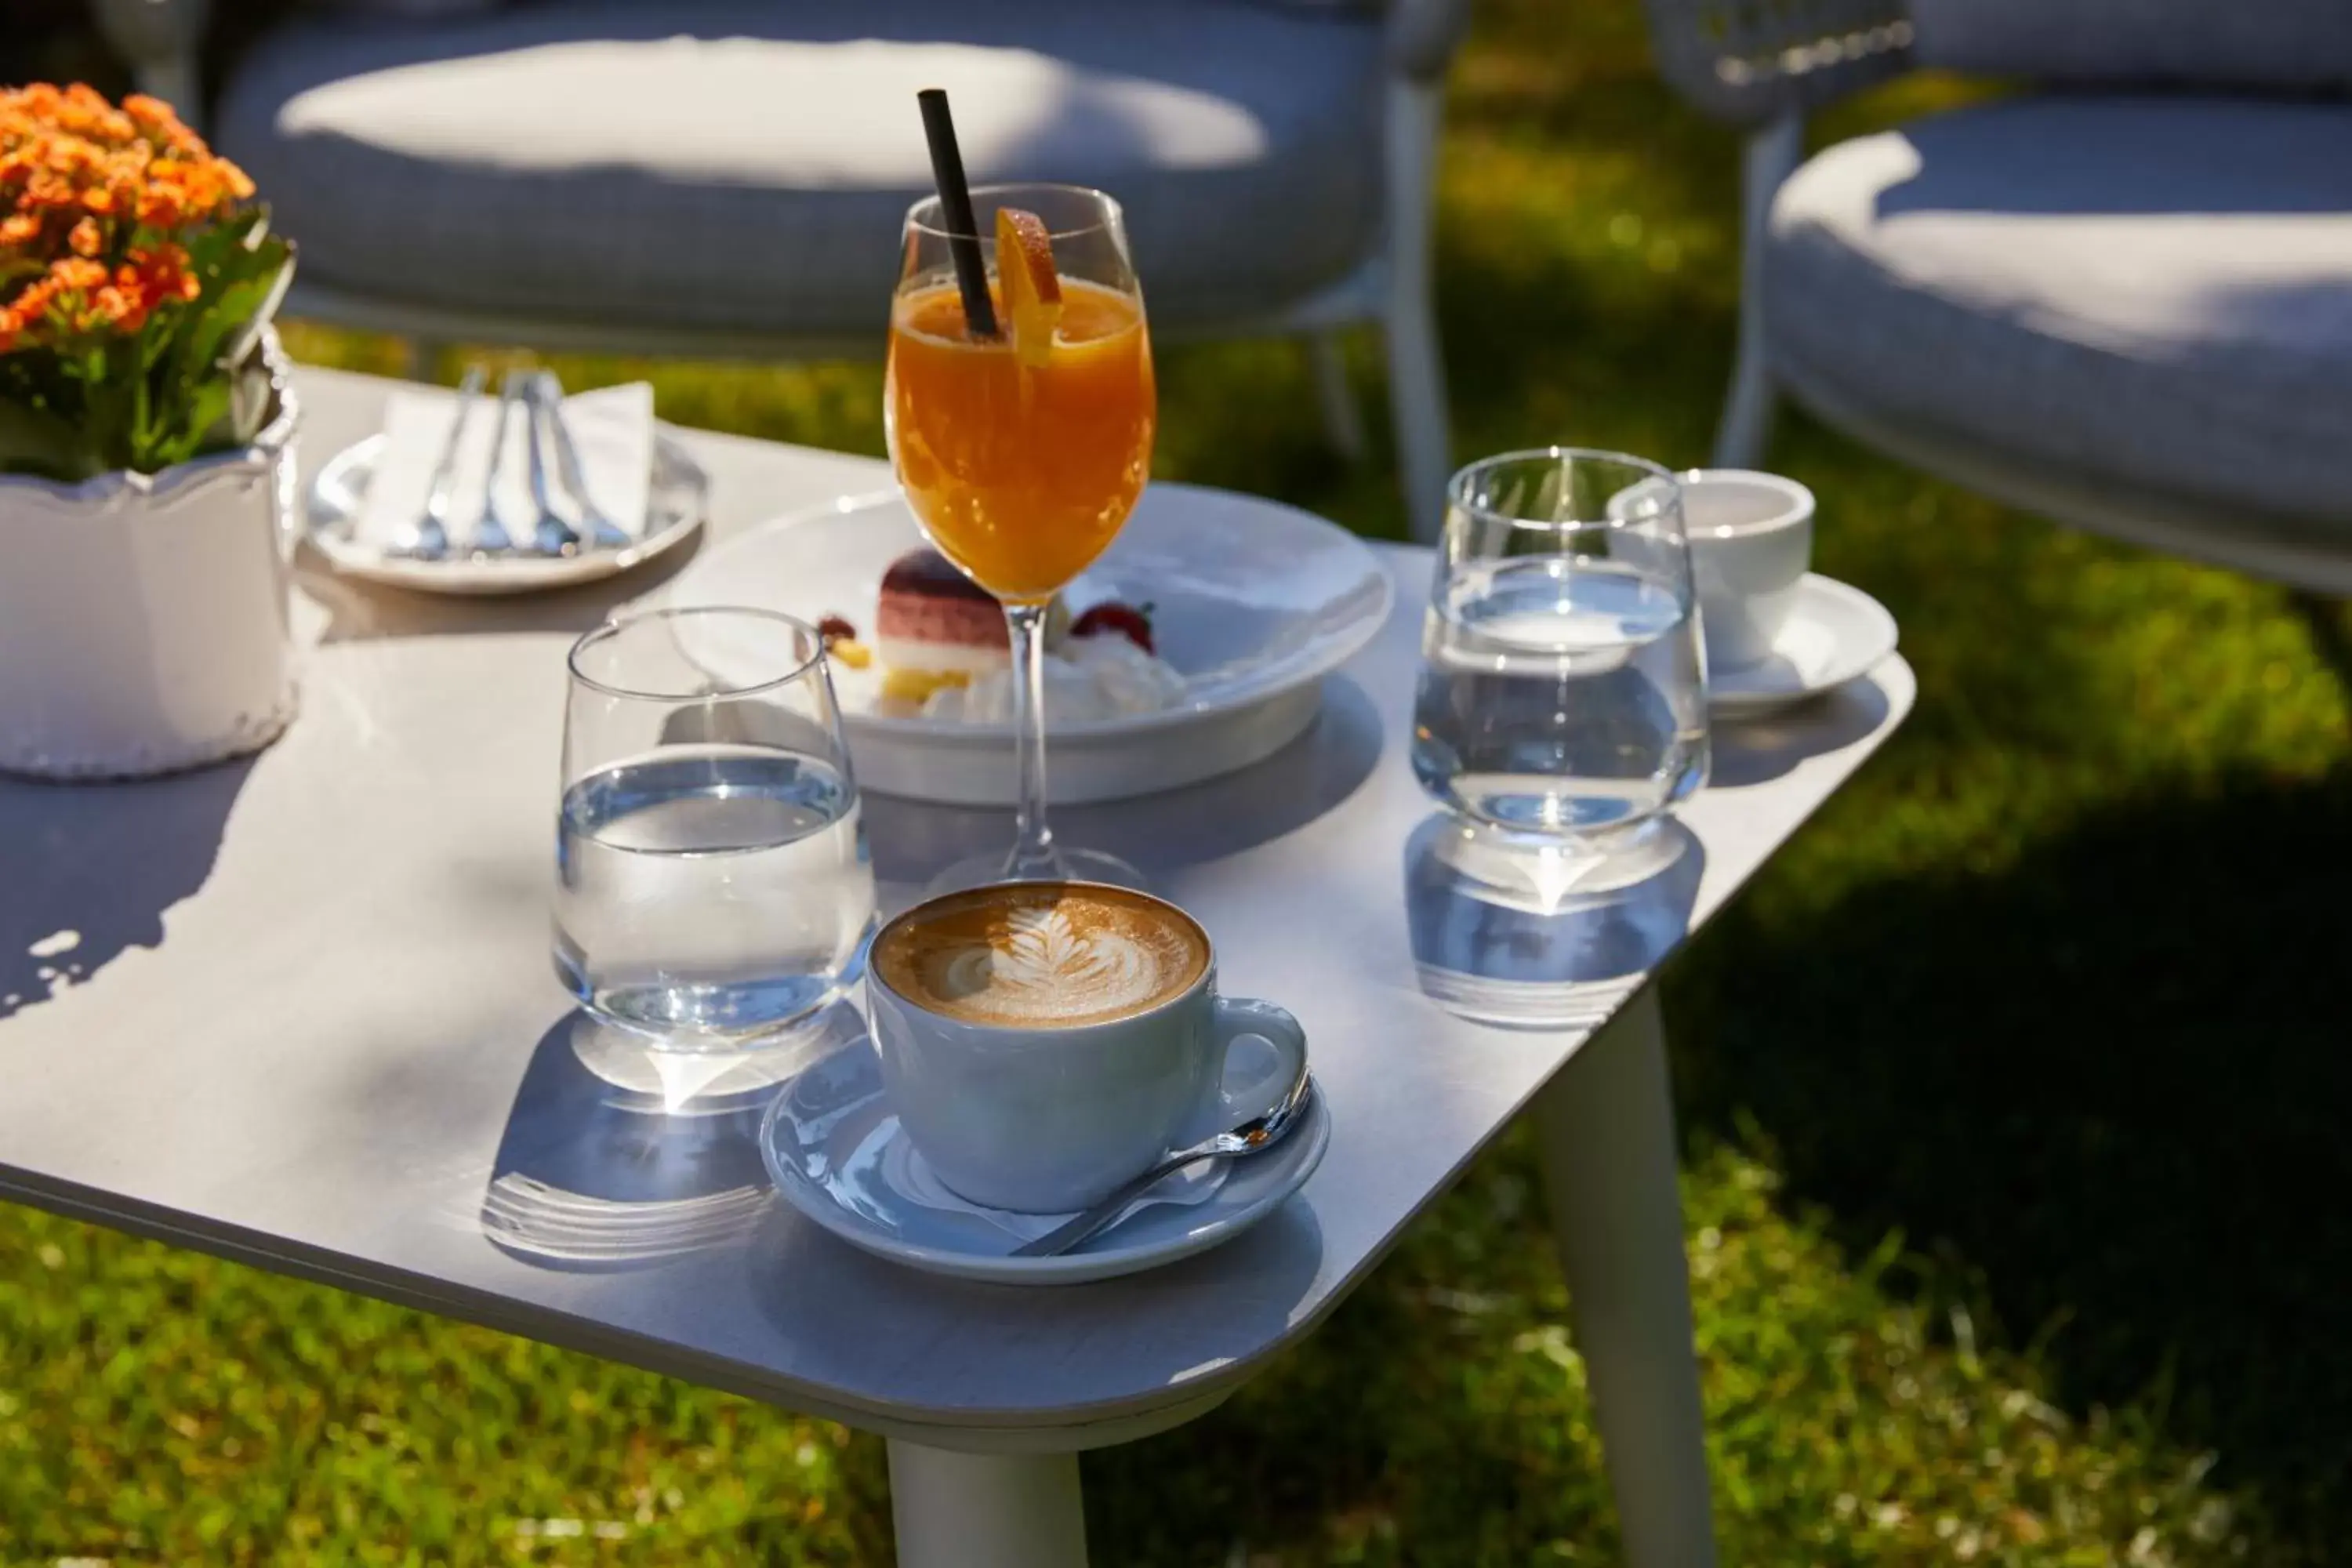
[(955, 204)]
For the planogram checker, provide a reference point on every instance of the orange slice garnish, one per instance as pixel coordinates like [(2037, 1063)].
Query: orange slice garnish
[(1033, 289)]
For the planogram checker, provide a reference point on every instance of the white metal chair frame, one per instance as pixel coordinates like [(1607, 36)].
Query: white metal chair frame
[(1763, 66), (1389, 288)]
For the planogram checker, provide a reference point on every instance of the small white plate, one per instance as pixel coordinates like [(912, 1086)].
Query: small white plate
[(1253, 603), (675, 507), (828, 1141), (1835, 633)]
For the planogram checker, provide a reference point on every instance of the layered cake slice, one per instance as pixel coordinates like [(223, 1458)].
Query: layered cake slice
[(935, 627)]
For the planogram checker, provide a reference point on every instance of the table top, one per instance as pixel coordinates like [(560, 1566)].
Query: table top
[(307, 1018)]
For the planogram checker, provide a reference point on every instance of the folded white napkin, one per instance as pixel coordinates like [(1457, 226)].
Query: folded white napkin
[(909, 1175), (613, 427)]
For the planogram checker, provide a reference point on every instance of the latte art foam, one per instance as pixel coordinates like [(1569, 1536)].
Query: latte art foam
[(1048, 955)]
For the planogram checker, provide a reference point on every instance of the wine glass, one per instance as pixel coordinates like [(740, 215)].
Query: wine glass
[(1021, 452)]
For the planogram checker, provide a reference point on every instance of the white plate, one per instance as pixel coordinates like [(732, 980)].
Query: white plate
[(828, 1143), (1835, 633), (675, 507), (1252, 603)]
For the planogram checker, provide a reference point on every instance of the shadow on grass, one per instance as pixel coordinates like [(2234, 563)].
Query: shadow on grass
[(2113, 1080)]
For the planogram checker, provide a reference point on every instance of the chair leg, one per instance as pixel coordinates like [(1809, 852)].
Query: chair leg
[(1771, 155), (2324, 617), (1343, 426), (1416, 369)]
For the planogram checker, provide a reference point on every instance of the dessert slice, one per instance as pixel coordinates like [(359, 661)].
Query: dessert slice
[(934, 627)]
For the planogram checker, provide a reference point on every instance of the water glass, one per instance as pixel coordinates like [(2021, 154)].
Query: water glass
[(1562, 697), (712, 885)]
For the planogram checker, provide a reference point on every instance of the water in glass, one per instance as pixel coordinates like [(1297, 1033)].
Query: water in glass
[(712, 889), (1561, 692), (1555, 695)]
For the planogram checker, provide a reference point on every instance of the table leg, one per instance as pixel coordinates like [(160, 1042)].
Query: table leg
[(985, 1511), (1607, 1127)]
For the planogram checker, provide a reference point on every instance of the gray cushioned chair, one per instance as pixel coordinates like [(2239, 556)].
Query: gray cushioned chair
[(2122, 298), (727, 176)]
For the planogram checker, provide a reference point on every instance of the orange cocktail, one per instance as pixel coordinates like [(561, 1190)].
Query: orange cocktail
[(1021, 467), (1022, 441)]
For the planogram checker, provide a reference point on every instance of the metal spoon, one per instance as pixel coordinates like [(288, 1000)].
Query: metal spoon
[(1250, 1138), (428, 538), (491, 536), (603, 532), (551, 535)]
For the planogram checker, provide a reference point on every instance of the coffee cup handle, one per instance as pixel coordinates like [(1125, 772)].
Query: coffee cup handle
[(1238, 1018)]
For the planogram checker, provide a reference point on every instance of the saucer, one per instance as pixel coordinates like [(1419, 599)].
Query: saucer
[(835, 1152), (675, 505), (1834, 633)]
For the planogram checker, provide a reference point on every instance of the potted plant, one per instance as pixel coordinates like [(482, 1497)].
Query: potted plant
[(146, 471)]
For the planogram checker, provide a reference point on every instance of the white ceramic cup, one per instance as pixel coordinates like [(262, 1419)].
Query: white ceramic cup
[(1048, 1120), (1751, 539)]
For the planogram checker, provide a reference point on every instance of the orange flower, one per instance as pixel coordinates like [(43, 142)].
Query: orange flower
[(80, 176), (79, 273)]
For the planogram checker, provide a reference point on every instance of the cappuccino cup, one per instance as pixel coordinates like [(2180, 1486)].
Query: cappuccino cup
[(1045, 1042), (1751, 538)]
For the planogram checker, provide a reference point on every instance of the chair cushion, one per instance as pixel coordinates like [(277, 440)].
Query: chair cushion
[(2155, 291), (2216, 43), (745, 164)]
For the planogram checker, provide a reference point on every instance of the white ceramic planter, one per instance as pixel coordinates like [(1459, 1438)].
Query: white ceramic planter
[(144, 618)]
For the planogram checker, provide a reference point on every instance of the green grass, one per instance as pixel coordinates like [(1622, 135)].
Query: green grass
[(2011, 1090)]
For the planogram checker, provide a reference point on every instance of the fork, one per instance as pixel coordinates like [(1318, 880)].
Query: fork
[(604, 534), (427, 538), (491, 536), (551, 535)]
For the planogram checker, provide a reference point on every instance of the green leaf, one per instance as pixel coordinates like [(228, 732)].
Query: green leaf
[(177, 390), (35, 441)]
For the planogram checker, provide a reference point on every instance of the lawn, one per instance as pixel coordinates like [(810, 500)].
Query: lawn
[(2011, 1094)]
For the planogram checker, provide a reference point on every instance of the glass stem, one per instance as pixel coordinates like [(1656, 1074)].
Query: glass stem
[(1033, 854)]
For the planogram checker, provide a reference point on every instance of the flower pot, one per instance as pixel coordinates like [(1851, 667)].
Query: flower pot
[(144, 617)]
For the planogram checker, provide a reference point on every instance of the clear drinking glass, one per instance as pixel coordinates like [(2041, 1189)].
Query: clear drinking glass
[(1022, 455), (712, 885), (1563, 696)]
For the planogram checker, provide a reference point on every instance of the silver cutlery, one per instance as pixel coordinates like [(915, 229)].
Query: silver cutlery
[(551, 535), (1250, 1138), (602, 532), (491, 536), (427, 538)]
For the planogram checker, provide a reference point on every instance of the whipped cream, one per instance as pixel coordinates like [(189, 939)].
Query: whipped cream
[(1100, 677)]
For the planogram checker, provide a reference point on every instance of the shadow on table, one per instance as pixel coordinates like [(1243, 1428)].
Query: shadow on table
[(1768, 746), (1526, 940), (87, 870), (1159, 833), (2101, 1093), (349, 610), (615, 1156)]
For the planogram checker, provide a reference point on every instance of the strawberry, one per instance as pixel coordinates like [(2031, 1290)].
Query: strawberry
[(1126, 620)]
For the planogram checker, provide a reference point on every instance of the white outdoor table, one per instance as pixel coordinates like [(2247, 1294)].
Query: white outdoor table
[(309, 1021)]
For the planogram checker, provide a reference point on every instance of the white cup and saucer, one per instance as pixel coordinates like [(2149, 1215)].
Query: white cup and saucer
[(1774, 632), (1034, 1048)]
